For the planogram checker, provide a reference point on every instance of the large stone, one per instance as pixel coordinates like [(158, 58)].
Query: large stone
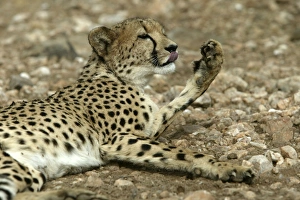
[(289, 84), (280, 128), (288, 152), (261, 163)]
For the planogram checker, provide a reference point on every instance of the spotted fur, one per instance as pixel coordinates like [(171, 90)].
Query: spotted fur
[(106, 116)]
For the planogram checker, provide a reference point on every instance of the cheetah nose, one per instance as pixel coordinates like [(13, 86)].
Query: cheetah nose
[(173, 56), (171, 48)]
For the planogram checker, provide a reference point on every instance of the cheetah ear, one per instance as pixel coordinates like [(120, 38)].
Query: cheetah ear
[(100, 38)]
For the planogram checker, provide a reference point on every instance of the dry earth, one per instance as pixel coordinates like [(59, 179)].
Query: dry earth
[(250, 114)]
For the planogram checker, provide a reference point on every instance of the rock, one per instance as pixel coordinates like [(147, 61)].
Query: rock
[(275, 97), (203, 101), (261, 163), (17, 82), (200, 195), (41, 72), (280, 128), (122, 182), (144, 195), (289, 84), (233, 94), (258, 145), (94, 181), (235, 129), (229, 80), (275, 157), (293, 180), (275, 186), (164, 194), (288, 152), (297, 97), (249, 195), (231, 156)]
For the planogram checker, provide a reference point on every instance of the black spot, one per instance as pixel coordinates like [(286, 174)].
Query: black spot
[(69, 147), (35, 180), (119, 148), (7, 162), (132, 141), (111, 113), (46, 140), (146, 116), (138, 127), (31, 123), (50, 129), (146, 147), (81, 137), (114, 140), (122, 122), (101, 115), (135, 112), (43, 131), (29, 133), (180, 156), (47, 120), (158, 155), (154, 142), (113, 126), (17, 177), (199, 155), (130, 121), (128, 100), (21, 141), (140, 154), (28, 181), (166, 149), (64, 121), (6, 135), (54, 142)]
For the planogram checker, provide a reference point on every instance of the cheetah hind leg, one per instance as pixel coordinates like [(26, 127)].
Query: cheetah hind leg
[(74, 194)]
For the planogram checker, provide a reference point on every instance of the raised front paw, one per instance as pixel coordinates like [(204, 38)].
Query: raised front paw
[(207, 68), (226, 172)]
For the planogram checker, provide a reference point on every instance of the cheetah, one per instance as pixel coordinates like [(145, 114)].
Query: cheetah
[(105, 116)]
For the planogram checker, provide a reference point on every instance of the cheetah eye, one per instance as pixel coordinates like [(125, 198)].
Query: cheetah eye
[(144, 36)]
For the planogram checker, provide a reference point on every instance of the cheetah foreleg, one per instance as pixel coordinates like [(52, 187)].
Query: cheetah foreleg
[(205, 71), (143, 151)]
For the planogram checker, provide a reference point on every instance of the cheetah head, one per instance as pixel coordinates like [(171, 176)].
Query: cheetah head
[(134, 49)]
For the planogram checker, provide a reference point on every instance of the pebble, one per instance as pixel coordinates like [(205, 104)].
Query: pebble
[(41, 72), (275, 186), (261, 163), (203, 101), (249, 195), (94, 180), (258, 145), (200, 195), (144, 195), (280, 128), (164, 194), (289, 84), (122, 182), (297, 97), (288, 152), (17, 82)]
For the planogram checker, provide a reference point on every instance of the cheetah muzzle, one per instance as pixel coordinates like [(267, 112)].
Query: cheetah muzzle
[(106, 116)]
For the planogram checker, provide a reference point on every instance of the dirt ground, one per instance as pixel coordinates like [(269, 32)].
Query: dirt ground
[(252, 108)]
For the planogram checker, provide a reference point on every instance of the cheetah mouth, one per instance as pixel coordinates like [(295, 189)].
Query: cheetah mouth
[(173, 56)]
